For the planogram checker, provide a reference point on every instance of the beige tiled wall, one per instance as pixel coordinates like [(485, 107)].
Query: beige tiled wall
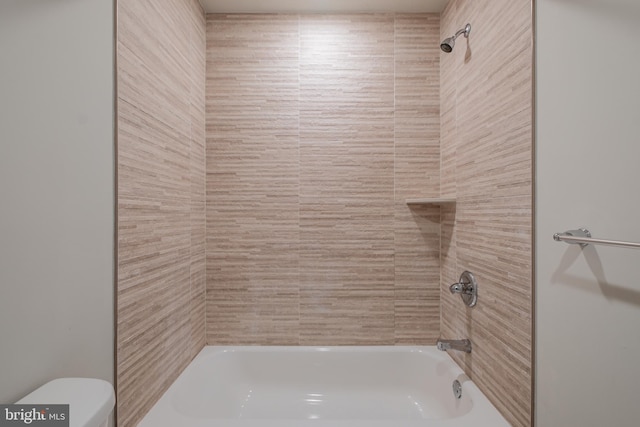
[(318, 127), (161, 190), (486, 90)]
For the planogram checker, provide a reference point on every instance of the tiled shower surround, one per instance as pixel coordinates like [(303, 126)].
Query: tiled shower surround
[(317, 128)]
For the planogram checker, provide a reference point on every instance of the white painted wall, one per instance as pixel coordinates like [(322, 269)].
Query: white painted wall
[(588, 174), (56, 192)]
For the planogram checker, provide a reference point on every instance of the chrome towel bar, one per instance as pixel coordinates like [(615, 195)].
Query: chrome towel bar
[(582, 237)]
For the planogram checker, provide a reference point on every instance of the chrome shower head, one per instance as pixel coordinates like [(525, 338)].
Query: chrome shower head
[(448, 43)]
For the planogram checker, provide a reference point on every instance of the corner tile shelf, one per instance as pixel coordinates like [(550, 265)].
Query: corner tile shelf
[(430, 201)]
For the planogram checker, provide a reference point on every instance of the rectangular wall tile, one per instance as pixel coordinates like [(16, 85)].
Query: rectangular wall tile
[(417, 106), (346, 179), (252, 179), (417, 174)]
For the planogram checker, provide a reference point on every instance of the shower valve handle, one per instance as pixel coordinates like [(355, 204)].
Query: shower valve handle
[(467, 287), (461, 288)]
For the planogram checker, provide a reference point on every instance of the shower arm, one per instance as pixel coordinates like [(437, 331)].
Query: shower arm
[(459, 33)]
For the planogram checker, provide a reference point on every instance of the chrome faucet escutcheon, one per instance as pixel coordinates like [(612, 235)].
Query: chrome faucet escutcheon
[(459, 345), (467, 287)]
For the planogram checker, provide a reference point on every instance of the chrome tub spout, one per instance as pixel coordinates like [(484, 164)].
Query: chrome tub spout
[(459, 345)]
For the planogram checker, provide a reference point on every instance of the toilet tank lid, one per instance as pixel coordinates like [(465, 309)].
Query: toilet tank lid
[(90, 400)]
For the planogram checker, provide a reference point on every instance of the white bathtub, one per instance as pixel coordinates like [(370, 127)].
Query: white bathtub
[(322, 387)]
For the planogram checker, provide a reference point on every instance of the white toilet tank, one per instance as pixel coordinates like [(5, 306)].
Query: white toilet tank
[(90, 400)]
